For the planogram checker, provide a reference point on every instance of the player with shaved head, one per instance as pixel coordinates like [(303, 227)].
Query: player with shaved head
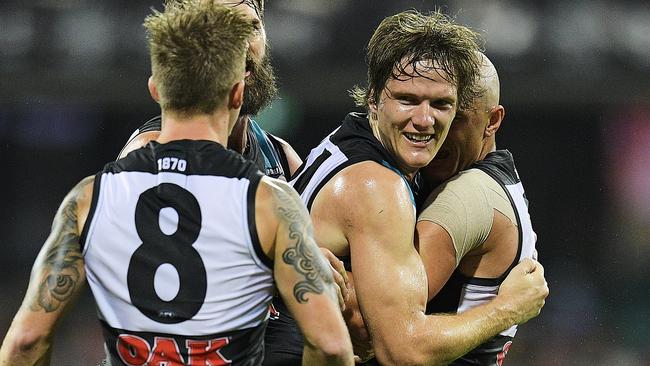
[(358, 182), (474, 226)]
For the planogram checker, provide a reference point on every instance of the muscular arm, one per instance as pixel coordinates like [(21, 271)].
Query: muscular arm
[(302, 274), (56, 280), (390, 281), (438, 255)]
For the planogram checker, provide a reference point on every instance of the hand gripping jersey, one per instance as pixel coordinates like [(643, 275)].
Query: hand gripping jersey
[(173, 258), (351, 143), (461, 293), (263, 148)]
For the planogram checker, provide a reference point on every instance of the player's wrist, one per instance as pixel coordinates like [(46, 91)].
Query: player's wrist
[(505, 309)]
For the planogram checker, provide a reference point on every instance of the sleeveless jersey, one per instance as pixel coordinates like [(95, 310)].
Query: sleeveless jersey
[(351, 143), (461, 293), (264, 149), (173, 258)]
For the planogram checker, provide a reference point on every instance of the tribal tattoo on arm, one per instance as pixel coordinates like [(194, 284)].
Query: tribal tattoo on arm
[(304, 255), (58, 273)]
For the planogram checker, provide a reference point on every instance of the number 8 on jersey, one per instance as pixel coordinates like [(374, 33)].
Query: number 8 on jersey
[(176, 249)]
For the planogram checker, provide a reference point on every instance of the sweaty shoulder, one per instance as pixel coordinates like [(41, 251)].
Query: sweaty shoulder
[(366, 191), (463, 206), (270, 188)]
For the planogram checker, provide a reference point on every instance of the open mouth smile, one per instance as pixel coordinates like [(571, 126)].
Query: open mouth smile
[(418, 138)]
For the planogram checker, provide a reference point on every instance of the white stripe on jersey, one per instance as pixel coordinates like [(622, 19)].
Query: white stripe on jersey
[(335, 160)]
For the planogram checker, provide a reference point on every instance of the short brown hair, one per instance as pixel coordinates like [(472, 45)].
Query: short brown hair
[(198, 51), (409, 37)]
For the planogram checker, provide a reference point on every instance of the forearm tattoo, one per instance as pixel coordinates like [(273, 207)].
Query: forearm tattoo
[(304, 255), (59, 269)]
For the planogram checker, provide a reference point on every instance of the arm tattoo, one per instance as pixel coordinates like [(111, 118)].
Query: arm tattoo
[(304, 256), (59, 268)]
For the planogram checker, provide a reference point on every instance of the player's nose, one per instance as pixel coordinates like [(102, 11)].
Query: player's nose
[(423, 117)]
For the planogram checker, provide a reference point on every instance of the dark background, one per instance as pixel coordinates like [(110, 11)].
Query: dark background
[(575, 85)]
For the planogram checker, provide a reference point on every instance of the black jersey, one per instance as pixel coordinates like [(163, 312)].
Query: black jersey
[(461, 293), (264, 149), (173, 259), (351, 143)]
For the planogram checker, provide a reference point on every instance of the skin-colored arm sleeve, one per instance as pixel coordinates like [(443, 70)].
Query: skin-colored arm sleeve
[(57, 279), (463, 207)]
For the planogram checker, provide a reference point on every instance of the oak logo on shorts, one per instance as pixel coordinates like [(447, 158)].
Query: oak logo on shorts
[(136, 351)]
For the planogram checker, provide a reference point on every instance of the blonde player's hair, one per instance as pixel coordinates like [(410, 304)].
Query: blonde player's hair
[(198, 52)]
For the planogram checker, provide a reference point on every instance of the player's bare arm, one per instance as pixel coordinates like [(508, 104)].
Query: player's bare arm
[(390, 280), (56, 280), (438, 254), (377, 219), (490, 260), (303, 276)]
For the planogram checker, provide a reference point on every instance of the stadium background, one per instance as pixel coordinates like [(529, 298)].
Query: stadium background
[(575, 84)]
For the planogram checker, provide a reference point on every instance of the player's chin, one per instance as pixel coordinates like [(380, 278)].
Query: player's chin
[(419, 160)]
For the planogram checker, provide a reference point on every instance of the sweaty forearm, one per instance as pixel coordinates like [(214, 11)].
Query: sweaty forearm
[(451, 336)]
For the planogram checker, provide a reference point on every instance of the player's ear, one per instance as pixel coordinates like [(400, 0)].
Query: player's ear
[(153, 90), (372, 105), (497, 114), (236, 96)]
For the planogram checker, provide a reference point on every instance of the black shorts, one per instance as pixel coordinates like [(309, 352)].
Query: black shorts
[(283, 342)]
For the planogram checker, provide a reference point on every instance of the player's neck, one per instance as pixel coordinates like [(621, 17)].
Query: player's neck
[(238, 139), (488, 146), (211, 127)]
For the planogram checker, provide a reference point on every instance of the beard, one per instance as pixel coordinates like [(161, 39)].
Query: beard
[(260, 88)]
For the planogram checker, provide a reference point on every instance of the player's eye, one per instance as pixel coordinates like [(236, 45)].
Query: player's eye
[(406, 100), (442, 104)]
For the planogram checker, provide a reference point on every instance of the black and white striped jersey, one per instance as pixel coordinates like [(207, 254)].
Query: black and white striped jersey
[(350, 143), (173, 258), (462, 293)]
